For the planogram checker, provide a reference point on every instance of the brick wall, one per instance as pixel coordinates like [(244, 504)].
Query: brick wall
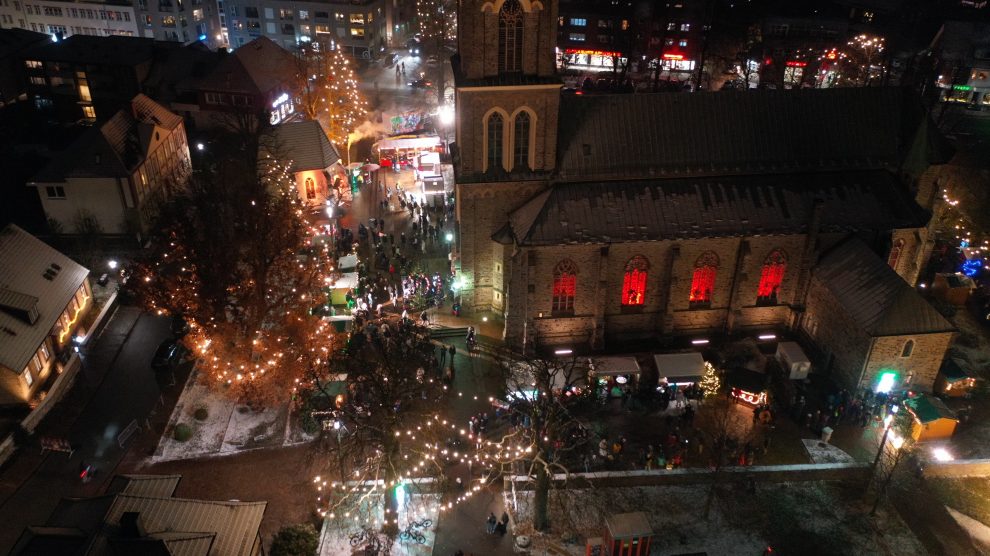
[(920, 368), (478, 38), (836, 334)]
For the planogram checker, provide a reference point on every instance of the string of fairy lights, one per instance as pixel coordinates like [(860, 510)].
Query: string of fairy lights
[(345, 107), (975, 244)]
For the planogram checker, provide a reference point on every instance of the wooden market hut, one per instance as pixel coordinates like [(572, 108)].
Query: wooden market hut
[(932, 419), (954, 379), (627, 535)]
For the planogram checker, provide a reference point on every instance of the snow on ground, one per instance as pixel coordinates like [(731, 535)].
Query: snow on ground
[(822, 452), (227, 428), (786, 516), (335, 536)]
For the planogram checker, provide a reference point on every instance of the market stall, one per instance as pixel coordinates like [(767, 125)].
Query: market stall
[(954, 379), (404, 151), (347, 263), (792, 358), (932, 419), (339, 288), (681, 369), (747, 386), (613, 376)]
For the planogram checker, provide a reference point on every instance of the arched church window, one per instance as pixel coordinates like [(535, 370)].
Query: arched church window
[(564, 287), (908, 348), (520, 145), (771, 277), (703, 281), (310, 189), (895, 253), (494, 130), (510, 29), (634, 281)]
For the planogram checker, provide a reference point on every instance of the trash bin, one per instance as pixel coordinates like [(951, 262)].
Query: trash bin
[(826, 434)]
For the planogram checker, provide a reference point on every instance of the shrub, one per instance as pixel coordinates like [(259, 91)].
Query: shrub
[(295, 540), (201, 414), (183, 432)]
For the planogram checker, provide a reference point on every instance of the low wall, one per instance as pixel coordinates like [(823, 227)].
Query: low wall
[(958, 468), (7, 448), (59, 388), (662, 477)]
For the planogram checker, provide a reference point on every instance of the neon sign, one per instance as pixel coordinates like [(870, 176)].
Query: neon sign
[(796, 64), (281, 108), (673, 57), (750, 397)]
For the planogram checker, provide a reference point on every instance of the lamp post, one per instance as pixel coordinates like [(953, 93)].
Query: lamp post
[(888, 421)]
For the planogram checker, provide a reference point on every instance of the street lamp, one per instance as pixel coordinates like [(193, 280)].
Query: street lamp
[(449, 237), (200, 146), (112, 264)]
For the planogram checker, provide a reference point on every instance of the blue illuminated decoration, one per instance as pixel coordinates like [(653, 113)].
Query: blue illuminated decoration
[(964, 244), (202, 37), (971, 266)]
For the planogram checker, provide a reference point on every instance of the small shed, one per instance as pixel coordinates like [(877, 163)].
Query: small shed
[(793, 360), (932, 419), (953, 288), (954, 379), (680, 368), (747, 386), (628, 535)]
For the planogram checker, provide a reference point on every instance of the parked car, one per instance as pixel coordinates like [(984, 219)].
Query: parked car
[(167, 356), (421, 84)]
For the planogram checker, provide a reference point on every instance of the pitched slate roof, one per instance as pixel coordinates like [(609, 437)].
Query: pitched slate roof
[(24, 261), (650, 210), (113, 149), (732, 132), (305, 144), (256, 68), (875, 297)]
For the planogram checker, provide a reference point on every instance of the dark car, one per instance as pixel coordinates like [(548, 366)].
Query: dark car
[(421, 84), (167, 356)]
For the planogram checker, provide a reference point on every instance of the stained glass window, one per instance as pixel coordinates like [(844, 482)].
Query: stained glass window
[(564, 287), (634, 281), (771, 277), (703, 280)]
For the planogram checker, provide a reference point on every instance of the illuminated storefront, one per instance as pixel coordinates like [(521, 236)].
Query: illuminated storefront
[(594, 60), (282, 109)]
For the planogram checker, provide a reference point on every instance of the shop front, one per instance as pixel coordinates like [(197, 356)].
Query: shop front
[(590, 60)]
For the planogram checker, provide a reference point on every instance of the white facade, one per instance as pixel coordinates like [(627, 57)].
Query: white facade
[(64, 19)]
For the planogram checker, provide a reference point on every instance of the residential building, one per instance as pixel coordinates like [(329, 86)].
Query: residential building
[(13, 74), (875, 330), (314, 160), (43, 296), (359, 27), (594, 219), (111, 180), (183, 21), (140, 514), (595, 37), (257, 78), (964, 61), (61, 19), (87, 78)]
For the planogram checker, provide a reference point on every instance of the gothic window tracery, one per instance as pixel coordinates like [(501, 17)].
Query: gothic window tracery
[(771, 278), (634, 281), (510, 29), (564, 287), (703, 281)]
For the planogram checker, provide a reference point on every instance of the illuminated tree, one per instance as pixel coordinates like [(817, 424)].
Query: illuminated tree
[(329, 92), (385, 433), (710, 381), (229, 255)]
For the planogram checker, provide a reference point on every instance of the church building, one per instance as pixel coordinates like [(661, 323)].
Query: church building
[(588, 219)]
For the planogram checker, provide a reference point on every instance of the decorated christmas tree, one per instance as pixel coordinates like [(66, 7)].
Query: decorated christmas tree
[(710, 382)]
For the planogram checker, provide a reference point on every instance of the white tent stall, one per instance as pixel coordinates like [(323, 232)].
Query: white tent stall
[(615, 374), (793, 359), (680, 368)]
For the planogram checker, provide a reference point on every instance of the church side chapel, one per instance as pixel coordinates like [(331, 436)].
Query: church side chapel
[(591, 219)]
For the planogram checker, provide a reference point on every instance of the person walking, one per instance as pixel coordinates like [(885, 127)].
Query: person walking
[(491, 523)]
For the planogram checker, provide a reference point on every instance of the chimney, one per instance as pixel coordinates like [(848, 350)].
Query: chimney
[(131, 526)]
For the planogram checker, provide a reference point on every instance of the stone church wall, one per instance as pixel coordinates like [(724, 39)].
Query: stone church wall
[(844, 344), (921, 367)]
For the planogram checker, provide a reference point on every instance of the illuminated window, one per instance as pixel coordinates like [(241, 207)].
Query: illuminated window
[(908, 348), (634, 282), (682, 43), (494, 133), (510, 19), (357, 32), (168, 21), (310, 188), (28, 377), (578, 21), (771, 277), (577, 37), (703, 281), (89, 112), (564, 287), (357, 18), (685, 26), (895, 253), (520, 146)]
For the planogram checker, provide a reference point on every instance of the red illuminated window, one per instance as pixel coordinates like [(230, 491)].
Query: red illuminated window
[(634, 282), (564, 287), (895, 253), (703, 281), (771, 277)]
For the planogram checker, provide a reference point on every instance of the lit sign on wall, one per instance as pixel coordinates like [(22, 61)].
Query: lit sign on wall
[(282, 108), (604, 53), (750, 397), (796, 64), (673, 57)]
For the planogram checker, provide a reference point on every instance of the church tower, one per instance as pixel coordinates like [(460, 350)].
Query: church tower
[(508, 95)]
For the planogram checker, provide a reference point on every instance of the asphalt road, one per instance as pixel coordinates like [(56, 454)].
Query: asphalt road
[(115, 387)]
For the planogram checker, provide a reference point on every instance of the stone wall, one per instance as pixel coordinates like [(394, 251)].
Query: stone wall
[(919, 369), (478, 37), (844, 344)]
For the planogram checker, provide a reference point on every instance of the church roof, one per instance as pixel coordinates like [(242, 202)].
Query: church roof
[(657, 209), (875, 297), (305, 144), (733, 132)]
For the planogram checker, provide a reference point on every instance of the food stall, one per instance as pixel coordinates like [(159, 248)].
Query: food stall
[(347, 263), (681, 369), (339, 287), (747, 386), (931, 418), (612, 375), (954, 379), (793, 359), (953, 288), (627, 534), (404, 151)]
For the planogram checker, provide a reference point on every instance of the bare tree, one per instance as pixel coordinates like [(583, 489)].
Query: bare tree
[(544, 437), (386, 434), (727, 429)]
